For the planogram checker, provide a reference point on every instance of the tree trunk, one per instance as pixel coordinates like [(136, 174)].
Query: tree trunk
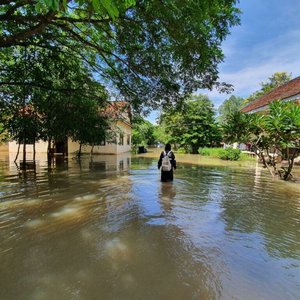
[(49, 152), (18, 152), (34, 152), (272, 162), (287, 172), (24, 154), (92, 150), (195, 149), (261, 155), (79, 151)]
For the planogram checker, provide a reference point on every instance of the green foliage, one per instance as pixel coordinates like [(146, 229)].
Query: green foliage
[(160, 134), (94, 6), (276, 80), (283, 124), (181, 150), (153, 53), (55, 96), (142, 132), (226, 154), (229, 106), (213, 152), (194, 125), (236, 127), (230, 154), (3, 134), (271, 134)]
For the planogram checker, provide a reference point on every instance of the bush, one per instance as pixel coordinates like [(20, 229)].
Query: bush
[(230, 154), (213, 152), (181, 150)]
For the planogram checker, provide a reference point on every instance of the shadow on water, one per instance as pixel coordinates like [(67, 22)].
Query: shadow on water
[(109, 227)]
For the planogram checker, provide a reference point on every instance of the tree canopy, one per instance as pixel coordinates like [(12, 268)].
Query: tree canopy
[(30, 110), (229, 106), (150, 52), (276, 80), (194, 126), (142, 132), (275, 133)]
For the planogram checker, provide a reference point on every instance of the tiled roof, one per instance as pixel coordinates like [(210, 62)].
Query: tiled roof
[(284, 91), (118, 110)]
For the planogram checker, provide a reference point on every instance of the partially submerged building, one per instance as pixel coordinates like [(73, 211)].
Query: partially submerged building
[(120, 114), (289, 91)]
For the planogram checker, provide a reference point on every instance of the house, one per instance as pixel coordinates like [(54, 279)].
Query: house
[(118, 111), (289, 91)]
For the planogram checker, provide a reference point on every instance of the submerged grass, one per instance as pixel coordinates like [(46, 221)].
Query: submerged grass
[(208, 160), (220, 152), (212, 152)]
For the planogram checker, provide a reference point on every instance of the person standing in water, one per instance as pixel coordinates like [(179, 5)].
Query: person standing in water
[(167, 163)]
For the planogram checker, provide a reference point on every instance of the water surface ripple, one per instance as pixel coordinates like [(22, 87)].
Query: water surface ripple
[(109, 229)]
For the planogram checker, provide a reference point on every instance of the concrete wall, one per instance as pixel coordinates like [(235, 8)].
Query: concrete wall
[(4, 148), (109, 148), (40, 147)]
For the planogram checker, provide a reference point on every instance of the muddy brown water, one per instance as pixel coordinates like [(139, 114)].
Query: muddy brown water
[(109, 229)]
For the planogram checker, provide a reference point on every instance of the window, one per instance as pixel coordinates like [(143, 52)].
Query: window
[(128, 139)]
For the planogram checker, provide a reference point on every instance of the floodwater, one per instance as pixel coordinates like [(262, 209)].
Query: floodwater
[(109, 229)]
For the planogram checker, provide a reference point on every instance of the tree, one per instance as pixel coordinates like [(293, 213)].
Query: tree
[(276, 80), (92, 126), (19, 118), (142, 132), (194, 126), (277, 132), (229, 106), (161, 135), (283, 126), (3, 134), (152, 53), (36, 16), (54, 96)]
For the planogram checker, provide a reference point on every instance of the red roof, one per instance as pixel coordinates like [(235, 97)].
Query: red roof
[(119, 110), (284, 91)]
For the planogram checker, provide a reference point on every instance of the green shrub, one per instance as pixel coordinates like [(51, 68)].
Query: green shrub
[(213, 152), (230, 154), (204, 151), (181, 150)]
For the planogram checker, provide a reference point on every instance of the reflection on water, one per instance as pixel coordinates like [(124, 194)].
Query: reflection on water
[(107, 228)]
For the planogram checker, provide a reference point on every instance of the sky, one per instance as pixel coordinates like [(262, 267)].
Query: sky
[(267, 41)]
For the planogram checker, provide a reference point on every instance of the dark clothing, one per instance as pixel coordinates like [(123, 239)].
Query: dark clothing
[(167, 175)]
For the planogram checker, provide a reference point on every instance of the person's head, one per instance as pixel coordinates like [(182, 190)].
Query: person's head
[(168, 147)]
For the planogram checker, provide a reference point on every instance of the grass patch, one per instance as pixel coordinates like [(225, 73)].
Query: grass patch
[(212, 152), (245, 157), (225, 154)]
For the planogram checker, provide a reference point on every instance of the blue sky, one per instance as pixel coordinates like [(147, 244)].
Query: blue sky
[(267, 41)]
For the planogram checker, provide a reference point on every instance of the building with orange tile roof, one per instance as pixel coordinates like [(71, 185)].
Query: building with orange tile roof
[(289, 91), (119, 112)]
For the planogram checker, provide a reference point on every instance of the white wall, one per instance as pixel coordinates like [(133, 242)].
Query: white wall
[(40, 147), (4, 148), (107, 149)]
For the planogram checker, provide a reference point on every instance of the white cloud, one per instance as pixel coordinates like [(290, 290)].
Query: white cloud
[(280, 54)]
